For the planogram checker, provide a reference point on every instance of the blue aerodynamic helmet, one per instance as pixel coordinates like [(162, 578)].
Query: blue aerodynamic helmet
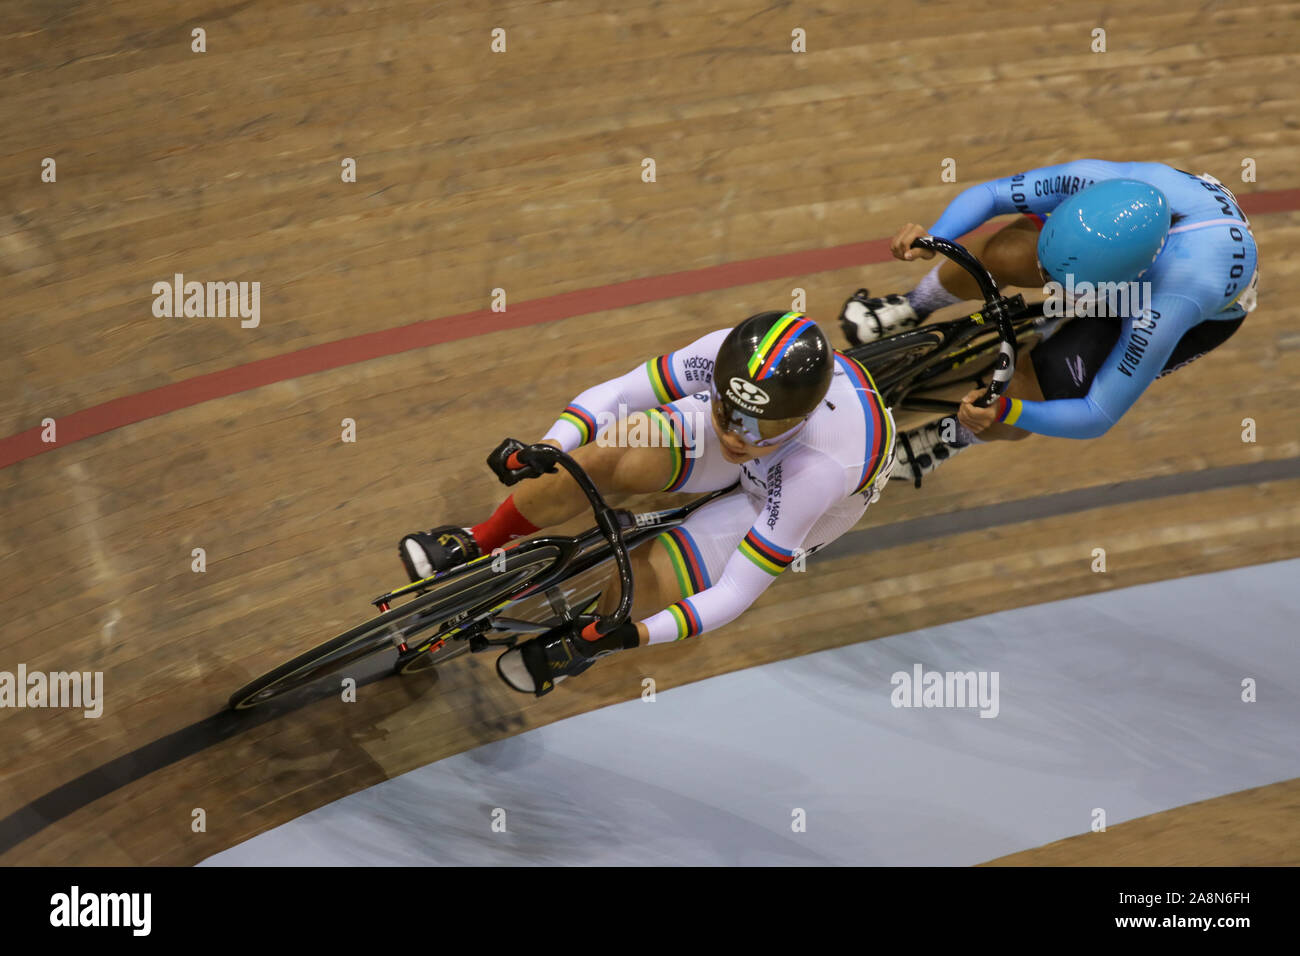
[(1109, 232)]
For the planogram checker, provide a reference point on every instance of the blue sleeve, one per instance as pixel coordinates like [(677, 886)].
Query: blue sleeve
[(1144, 347), (1037, 191), (972, 208)]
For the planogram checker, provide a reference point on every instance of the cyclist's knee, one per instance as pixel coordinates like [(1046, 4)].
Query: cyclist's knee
[(657, 585), (1024, 383), (599, 459), (629, 456), (1011, 255)]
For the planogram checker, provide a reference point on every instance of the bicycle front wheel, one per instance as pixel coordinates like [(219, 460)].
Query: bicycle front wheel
[(457, 594)]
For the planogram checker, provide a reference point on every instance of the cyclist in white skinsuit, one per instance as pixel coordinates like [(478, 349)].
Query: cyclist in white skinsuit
[(806, 494), (799, 425)]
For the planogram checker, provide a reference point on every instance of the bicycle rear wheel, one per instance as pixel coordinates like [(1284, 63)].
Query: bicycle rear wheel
[(893, 357), (456, 594), (450, 649)]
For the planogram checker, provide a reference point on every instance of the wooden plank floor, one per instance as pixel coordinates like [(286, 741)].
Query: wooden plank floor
[(1256, 827), (523, 171)]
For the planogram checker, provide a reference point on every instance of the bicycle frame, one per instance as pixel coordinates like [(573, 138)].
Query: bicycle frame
[(576, 555), (949, 352)]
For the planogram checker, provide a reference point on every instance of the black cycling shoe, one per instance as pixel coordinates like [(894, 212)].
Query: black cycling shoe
[(536, 666), (426, 553)]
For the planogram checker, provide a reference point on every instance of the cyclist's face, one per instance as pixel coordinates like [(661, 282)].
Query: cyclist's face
[(738, 448)]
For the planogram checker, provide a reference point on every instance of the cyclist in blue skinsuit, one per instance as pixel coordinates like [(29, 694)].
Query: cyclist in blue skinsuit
[(1085, 221)]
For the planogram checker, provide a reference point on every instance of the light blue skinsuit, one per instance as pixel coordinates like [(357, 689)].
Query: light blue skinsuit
[(1204, 272)]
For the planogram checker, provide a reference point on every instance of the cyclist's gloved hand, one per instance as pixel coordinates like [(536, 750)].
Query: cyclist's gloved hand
[(591, 643), (509, 462)]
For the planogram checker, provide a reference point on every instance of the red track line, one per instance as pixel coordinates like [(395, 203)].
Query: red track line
[(320, 358)]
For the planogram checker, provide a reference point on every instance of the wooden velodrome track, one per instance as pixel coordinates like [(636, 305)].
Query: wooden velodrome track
[(523, 171)]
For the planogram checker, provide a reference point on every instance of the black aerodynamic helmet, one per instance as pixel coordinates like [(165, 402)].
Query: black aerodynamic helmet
[(772, 367)]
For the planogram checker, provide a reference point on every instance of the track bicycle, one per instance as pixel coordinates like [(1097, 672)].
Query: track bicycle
[(490, 602)]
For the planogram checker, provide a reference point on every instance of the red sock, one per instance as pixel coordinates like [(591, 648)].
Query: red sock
[(505, 525)]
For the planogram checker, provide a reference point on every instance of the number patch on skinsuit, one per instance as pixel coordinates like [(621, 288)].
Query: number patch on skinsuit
[(1249, 299)]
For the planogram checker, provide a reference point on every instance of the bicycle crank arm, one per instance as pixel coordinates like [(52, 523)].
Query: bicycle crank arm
[(479, 643), (514, 626)]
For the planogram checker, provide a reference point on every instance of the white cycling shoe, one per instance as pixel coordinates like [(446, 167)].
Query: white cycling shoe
[(866, 318), (924, 449)]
